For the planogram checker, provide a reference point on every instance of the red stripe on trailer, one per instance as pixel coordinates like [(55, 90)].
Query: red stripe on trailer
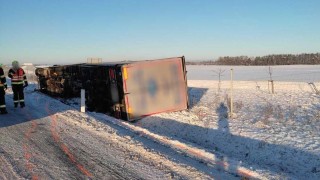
[(127, 102), (127, 107), (113, 74), (110, 74)]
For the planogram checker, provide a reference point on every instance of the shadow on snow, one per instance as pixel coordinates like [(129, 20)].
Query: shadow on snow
[(273, 157)]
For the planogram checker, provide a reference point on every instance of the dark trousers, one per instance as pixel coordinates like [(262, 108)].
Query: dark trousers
[(18, 95), (2, 99)]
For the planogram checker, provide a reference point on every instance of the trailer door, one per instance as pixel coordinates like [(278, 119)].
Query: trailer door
[(154, 86)]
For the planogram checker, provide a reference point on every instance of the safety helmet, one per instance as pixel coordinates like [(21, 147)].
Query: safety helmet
[(15, 64)]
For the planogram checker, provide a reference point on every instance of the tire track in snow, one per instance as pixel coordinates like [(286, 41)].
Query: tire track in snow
[(62, 146), (6, 170), (28, 153)]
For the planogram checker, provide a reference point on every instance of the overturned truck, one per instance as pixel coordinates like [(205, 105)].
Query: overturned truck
[(126, 90)]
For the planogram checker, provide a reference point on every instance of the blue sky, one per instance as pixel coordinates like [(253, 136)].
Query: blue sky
[(67, 31)]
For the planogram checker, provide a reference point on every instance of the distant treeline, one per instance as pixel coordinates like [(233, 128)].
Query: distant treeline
[(279, 59)]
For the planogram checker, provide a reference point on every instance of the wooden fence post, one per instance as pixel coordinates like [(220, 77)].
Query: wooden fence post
[(231, 95)]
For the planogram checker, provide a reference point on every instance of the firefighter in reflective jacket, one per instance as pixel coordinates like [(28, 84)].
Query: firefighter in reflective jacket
[(3, 87), (18, 83)]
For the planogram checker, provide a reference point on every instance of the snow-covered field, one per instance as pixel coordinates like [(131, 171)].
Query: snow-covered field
[(270, 136), (295, 73)]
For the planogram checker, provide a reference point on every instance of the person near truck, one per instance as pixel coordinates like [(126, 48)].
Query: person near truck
[(18, 83), (3, 87)]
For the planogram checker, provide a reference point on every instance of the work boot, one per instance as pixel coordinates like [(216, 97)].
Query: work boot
[(22, 105), (15, 105), (3, 111)]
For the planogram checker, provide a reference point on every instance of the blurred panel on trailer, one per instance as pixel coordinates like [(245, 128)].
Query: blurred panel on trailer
[(155, 86)]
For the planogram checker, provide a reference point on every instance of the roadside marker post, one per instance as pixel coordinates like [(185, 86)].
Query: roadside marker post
[(83, 101)]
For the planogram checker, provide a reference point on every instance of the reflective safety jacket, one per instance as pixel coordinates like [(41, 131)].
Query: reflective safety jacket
[(3, 80), (17, 77)]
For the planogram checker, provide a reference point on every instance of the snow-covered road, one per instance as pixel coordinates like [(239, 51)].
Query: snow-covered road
[(272, 136), (42, 142), (38, 144)]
